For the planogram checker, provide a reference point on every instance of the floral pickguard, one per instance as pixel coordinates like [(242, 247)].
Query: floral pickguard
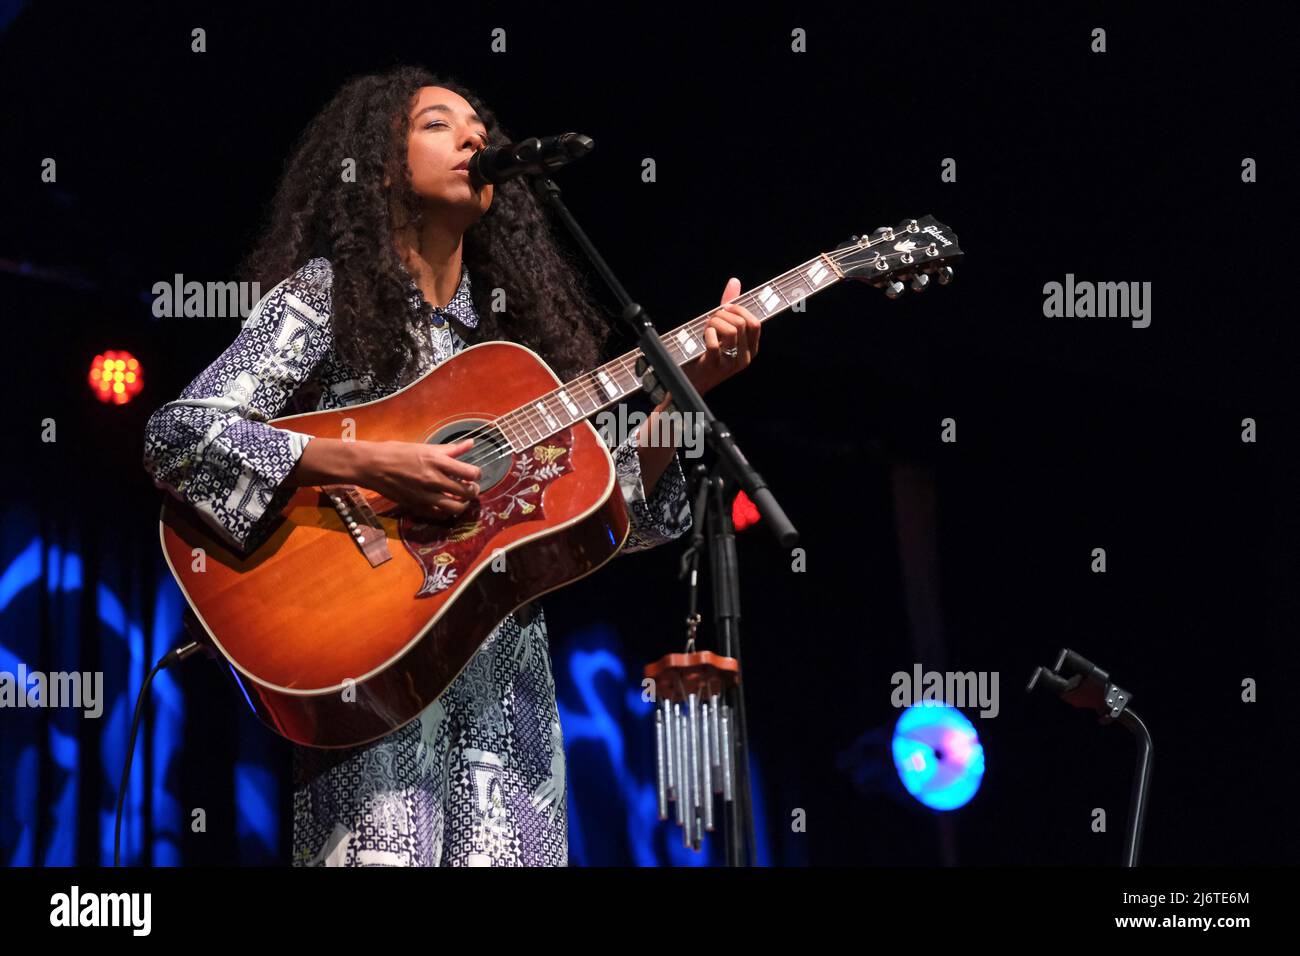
[(444, 551)]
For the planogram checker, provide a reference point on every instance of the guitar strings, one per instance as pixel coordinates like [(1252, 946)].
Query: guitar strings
[(589, 391), (584, 387)]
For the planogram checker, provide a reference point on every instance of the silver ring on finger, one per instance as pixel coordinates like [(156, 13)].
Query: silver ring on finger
[(731, 353)]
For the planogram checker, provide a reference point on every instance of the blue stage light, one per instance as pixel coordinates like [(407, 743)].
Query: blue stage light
[(938, 756)]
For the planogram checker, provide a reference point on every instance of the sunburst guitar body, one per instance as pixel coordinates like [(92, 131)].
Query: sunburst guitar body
[(334, 649)]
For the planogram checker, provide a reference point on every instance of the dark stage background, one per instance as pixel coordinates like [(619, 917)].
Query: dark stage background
[(1072, 434)]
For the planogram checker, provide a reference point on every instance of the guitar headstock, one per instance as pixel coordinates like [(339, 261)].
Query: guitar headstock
[(912, 253)]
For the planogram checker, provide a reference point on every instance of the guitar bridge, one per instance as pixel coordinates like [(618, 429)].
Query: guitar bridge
[(361, 522)]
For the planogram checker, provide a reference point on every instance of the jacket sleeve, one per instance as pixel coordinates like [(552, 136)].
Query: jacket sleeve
[(211, 447), (661, 516)]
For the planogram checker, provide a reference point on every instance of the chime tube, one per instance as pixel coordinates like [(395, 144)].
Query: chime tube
[(693, 729), (706, 766), (670, 746), (680, 747), (715, 740), (728, 782), (661, 769)]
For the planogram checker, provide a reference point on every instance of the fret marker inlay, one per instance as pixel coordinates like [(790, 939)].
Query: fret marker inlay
[(547, 416)]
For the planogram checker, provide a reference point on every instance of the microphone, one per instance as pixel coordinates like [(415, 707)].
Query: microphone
[(496, 164)]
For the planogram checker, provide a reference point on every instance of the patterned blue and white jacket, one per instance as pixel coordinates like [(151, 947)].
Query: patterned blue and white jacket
[(479, 778)]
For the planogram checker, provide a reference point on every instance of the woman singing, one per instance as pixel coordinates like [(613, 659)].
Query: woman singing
[(384, 258)]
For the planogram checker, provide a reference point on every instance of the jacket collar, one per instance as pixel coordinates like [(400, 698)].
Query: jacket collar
[(461, 306)]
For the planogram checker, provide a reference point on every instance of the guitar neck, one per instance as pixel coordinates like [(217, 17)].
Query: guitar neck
[(610, 383)]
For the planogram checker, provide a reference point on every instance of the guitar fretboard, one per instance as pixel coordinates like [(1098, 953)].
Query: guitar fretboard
[(592, 391)]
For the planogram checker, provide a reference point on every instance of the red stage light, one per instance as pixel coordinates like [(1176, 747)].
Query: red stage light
[(744, 512), (116, 376)]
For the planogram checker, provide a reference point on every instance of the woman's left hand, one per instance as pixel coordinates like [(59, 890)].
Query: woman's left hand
[(730, 339)]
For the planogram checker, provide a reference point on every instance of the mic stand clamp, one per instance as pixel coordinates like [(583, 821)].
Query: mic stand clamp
[(650, 383)]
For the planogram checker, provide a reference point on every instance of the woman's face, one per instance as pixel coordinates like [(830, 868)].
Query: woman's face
[(443, 134)]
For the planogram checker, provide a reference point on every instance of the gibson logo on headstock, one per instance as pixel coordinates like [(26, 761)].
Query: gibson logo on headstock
[(934, 231)]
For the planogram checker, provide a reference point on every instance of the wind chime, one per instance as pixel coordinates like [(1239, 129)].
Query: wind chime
[(697, 731), (694, 744)]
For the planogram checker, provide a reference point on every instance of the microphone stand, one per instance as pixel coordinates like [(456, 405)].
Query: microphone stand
[(659, 372), (1081, 683)]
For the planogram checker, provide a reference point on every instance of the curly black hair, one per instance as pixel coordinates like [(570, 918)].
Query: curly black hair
[(511, 247)]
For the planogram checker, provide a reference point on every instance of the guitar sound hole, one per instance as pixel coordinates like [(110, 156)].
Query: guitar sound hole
[(490, 451)]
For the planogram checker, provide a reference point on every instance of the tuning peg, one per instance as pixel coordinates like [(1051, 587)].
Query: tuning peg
[(883, 231), (893, 289), (920, 281), (945, 275)]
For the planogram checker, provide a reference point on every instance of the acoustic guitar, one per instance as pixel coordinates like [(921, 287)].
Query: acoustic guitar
[(350, 616)]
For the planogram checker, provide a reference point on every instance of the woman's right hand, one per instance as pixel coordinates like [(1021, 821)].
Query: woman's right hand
[(427, 479)]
